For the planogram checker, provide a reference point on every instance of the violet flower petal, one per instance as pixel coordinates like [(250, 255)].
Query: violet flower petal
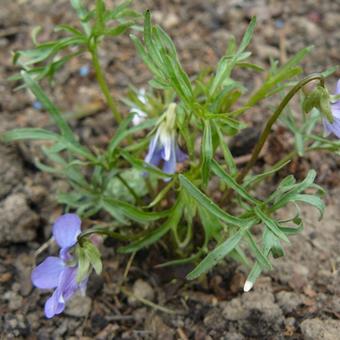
[(68, 284), (332, 127), (46, 274), (180, 155), (336, 106), (53, 305), (66, 230), (65, 255), (167, 143), (156, 157), (152, 148), (337, 88), (169, 166), (336, 109)]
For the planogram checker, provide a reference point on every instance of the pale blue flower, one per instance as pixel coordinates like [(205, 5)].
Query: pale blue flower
[(60, 273), (163, 146)]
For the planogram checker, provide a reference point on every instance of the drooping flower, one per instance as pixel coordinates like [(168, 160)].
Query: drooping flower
[(163, 145), (60, 273), (334, 127), (139, 115)]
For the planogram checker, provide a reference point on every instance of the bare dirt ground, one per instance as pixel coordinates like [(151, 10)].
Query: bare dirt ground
[(300, 299)]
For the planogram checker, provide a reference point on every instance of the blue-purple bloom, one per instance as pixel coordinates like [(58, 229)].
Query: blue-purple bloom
[(335, 107), (60, 272), (163, 145)]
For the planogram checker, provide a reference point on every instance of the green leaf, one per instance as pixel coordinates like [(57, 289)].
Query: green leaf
[(118, 30), (218, 170), (247, 36), (207, 151), (228, 157), (69, 29), (293, 190), (49, 106), (132, 212), (312, 100), (249, 181), (120, 133), (123, 131), (215, 256), (83, 15), (254, 67), (41, 134), (148, 61), (285, 72), (100, 12), (260, 257), (29, 133), (313, 200), (209, 204), (93, 255), (47, 50), (271, 224), (226, 64), (153, 51), (83, 264), (161, 195), (211, 225), (271, 244), (156, 234), (325, 105)]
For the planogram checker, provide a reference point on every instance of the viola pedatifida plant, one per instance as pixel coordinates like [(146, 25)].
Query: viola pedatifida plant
[(153, 177)]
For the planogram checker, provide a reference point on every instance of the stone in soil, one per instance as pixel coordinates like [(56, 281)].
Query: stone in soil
[(79, 306), (313, 329), (289, 301), (255, 314), (141, 290), (11, 170), (18, 222)]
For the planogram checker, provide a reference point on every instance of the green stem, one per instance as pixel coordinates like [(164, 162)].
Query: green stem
[(131, 191), (107, 231), (274, 117), (149, 303), (182, 244), (103, 84)]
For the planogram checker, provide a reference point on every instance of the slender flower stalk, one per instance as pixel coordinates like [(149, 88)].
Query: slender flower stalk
[(60, 273), (103, 85), (271, 121)]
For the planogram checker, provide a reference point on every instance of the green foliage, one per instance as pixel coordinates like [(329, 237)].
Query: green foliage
[(88, 257), (47, 58), (189, 213)]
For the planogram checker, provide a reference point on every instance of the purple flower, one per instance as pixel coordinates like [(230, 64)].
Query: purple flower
[(335, 107), (60, 272), (163, 146)]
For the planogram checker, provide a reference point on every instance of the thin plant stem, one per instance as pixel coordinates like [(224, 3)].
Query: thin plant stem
[(128, 187), (128, 266), (103, 85), (273, 118), (149, 303)]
